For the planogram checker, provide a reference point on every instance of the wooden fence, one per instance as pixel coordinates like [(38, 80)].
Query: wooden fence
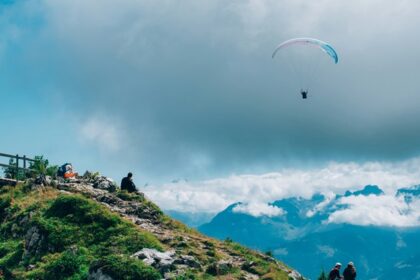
[(21, 162)]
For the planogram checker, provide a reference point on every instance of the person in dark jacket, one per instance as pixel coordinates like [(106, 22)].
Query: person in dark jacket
[(349, 272), (128, 184), (335, 272)]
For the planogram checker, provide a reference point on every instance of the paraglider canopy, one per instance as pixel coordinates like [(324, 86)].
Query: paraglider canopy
[(302, 58), (327, 48)]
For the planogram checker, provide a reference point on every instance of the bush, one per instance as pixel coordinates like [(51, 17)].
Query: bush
[(10, 253), (125, 268), (41, 167), (5, 202), (323, 276), (72, 263)]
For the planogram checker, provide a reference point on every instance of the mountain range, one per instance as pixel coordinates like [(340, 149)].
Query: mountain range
[(304, 235)]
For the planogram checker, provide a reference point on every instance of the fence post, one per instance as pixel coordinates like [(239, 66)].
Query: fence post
[(24, 162), (17, 167)]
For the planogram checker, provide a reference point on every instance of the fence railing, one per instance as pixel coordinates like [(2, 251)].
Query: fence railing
[(20, 162)]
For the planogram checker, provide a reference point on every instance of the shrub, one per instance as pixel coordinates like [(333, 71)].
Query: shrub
[(323, 276), (41, 167), (5, 202), (125, 268), (71, 263)]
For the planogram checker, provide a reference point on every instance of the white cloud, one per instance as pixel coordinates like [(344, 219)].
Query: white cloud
[(384, 210), (335, 178), (101, 132), (326, 250), (256, 191), (256, 209), (320, 206)]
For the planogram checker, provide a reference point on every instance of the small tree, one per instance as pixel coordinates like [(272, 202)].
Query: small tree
[(12, 173), (41, 167), (323, 276)]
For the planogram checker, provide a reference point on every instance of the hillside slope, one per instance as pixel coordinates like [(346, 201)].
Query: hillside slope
[(85, 229)]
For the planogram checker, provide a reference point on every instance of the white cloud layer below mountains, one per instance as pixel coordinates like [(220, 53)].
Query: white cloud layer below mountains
[(258, 209), (383, 210), (335, 178)]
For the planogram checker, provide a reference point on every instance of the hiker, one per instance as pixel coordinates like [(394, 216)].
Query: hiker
[(349, 272), (128, 184), (335, 272), (66, 171)]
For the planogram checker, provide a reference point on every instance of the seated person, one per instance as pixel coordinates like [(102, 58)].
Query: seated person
[(128, 184)]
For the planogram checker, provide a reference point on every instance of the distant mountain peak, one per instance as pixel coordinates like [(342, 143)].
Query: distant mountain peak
[(367, 190), (409, 193)]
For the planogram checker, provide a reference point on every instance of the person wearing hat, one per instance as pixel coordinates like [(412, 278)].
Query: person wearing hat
[(349, 272), (335, 272)]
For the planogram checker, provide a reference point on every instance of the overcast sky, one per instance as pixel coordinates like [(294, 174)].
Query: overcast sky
[(188, 89)]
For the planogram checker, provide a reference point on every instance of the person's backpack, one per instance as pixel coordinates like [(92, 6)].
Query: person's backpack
[(62, 169)]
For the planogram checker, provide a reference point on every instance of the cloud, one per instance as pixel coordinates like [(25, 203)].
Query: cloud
[(198, 87), (259, 209), (334, 178), (327, 250), (385, 210), (102, 132)]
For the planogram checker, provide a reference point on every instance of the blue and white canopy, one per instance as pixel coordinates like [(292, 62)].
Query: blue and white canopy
[(327, 48)]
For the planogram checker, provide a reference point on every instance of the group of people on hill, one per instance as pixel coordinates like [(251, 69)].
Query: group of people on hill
[(66, 171), (349, 272)]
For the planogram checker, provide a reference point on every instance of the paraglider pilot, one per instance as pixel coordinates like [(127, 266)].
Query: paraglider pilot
[(304, 93)]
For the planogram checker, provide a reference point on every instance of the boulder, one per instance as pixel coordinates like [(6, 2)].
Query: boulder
[(104, 183), (99, 275), (163, 261), (219, 268), (187, 260), (35, 243)]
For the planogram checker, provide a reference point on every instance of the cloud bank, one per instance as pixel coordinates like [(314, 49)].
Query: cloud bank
[(385, 210), (257, 191)]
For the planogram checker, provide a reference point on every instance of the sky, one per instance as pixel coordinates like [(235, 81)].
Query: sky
[(188, 90)]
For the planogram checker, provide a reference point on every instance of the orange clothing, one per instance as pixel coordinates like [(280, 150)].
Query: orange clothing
[(69, 175)]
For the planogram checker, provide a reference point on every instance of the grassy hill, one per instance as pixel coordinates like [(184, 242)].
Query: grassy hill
[(83, 230)]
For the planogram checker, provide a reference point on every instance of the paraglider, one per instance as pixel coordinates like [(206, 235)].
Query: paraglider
[(309, 42), (304, 93)]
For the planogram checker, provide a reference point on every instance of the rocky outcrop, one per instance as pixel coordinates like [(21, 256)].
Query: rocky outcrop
[(184, 250), (35, 243), (98, 274), (167, 261), (162, 261), (7, 182)]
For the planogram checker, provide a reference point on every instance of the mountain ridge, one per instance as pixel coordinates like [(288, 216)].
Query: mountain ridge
[(88, 229)]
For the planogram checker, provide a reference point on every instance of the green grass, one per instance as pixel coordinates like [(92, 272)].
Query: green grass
[(79, 234)]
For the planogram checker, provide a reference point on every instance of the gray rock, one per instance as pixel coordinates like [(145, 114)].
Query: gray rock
[(219, 268), (105, 183), (188, 261), (99, 275), (163, 261), (34, 243), (295, 275)]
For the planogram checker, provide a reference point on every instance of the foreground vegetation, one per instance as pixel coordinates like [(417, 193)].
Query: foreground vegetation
[(46, 233), (74, 235)]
